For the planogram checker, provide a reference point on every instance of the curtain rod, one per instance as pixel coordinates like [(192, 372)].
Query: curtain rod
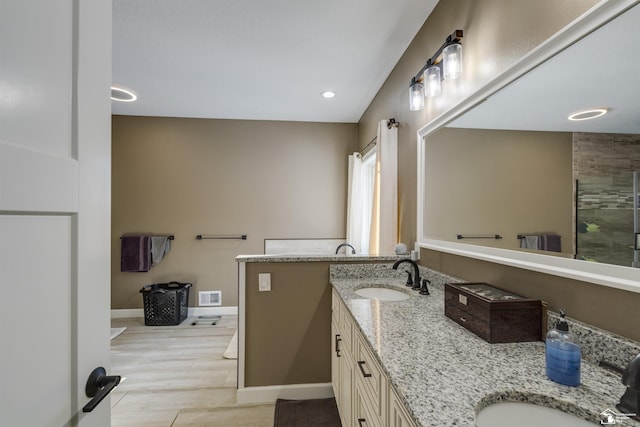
[(391, 123), (368, 147)]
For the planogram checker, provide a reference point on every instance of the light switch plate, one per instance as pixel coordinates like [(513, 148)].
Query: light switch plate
[(264, 282)]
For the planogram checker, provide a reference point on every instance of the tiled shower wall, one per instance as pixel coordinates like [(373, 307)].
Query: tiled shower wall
[(602, 167)]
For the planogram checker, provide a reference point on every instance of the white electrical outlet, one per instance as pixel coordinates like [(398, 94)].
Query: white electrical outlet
[(264, 282)]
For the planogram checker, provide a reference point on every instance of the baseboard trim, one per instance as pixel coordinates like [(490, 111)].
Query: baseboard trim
[(193, 312), (269, 394), (124, 313)]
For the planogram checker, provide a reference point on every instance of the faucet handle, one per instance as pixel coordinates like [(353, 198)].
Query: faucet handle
[(409, 281), (425, 290)]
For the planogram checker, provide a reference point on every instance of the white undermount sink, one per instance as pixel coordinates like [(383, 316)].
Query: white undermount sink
[(382, 294), (508, 414)]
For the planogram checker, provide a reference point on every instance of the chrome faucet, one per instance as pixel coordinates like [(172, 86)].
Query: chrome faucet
[(416, 271), (353, 250), (630, 400)]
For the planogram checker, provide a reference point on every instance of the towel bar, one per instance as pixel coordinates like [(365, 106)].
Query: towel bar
[(492, 236), (170, 237), (201, 237)]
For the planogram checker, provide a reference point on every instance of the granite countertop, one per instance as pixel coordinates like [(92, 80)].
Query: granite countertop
[(316, 258), (446, 374)]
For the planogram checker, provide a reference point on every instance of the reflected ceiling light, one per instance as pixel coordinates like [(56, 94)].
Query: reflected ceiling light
[(446, 64), (122, 94), (588, 114), (328, 94)]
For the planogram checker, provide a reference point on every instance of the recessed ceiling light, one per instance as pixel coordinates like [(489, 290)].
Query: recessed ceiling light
[(119, 93), (588, 114), (328, 94)]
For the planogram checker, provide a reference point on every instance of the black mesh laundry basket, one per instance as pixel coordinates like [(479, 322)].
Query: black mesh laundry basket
[(165, 303)]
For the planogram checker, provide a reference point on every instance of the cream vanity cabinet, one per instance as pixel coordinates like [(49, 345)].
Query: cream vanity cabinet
[(360, 386)]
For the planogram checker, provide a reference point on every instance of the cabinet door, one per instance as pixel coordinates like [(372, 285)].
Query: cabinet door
[(335, 362), (398, 416), (346, 388)]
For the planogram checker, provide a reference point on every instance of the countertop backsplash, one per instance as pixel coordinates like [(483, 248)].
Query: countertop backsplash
[(598, 344)]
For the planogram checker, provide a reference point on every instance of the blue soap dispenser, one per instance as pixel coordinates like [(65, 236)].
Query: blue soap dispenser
[(562, 354)]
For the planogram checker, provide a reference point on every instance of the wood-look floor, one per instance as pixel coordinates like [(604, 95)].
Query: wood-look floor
[(176, 376)]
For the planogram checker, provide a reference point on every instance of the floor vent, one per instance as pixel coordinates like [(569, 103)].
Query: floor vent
[(209, 298)]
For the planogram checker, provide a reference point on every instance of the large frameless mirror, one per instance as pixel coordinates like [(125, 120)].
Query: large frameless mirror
[(513, 180)]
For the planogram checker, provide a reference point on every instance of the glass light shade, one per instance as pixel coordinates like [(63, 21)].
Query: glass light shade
[(452, 61), (416, 96), (431, 81)]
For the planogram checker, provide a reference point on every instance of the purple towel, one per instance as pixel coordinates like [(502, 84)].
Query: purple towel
[(550, 242), (135, 253)]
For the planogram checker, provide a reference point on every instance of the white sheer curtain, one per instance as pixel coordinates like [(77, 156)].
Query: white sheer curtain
[(359, 200), (355, 205), (354, 202), (384, 215)]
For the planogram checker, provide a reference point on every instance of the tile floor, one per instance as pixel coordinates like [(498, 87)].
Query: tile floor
[(176, 376)]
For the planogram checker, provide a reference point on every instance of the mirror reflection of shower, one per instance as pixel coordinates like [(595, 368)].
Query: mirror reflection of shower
[(607, 223)]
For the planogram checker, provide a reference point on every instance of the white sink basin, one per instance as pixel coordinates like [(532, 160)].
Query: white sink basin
[(382, 294), (509, 414)]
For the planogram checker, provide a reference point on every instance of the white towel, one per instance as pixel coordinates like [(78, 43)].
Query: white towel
[(529, 242), (160, 246)]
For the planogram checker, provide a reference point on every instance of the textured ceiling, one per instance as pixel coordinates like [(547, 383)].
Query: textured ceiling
[(262, 60)]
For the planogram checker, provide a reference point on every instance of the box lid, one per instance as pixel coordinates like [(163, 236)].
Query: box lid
[(488, 292)]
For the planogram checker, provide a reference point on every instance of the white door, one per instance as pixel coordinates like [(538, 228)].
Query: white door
[(55, 71)]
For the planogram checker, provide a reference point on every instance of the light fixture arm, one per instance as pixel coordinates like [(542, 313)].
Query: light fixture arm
[(455, 37)]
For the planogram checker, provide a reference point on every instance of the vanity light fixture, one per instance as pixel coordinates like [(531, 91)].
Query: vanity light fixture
[(416, 95), (588, 114), (431, 79), (122, 94), (446, 64)]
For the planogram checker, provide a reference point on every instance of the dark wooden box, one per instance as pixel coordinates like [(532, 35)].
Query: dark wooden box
[(494, 315)]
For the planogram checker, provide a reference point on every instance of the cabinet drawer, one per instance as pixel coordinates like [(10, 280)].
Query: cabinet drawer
[(469, 321), (370, 375), (467, 304), (363, 413)]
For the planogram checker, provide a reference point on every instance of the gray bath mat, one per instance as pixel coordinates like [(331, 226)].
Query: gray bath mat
[(307, 413)]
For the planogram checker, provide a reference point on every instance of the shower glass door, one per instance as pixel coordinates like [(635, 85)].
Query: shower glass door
[(607, 219)]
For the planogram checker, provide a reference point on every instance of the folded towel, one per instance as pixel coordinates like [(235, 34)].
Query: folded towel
[(160, 246), (135, 253), (541, 242), (529, 242), (550, 242)]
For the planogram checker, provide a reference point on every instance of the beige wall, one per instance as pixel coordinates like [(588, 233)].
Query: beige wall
[(291, 324), (288, 330), (222, 177), (497, 33), (498, 182)]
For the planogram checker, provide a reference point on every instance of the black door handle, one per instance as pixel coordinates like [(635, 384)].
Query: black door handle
[(99, 385)]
